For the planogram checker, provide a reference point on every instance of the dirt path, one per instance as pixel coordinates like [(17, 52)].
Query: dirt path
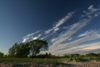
[(78, 64), (63, 64)]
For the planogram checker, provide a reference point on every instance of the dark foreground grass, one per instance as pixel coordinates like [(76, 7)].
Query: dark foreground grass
[(29, 61)]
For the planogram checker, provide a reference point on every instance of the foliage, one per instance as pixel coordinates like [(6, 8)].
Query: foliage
[(1, 54), (24, 49), (99, 54), (91, 55), (19, 50), (48, 55), (37, 45), (12, 50), (78, 57)]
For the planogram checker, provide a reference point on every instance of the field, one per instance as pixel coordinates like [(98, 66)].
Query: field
[(27, 62), (47, 62)]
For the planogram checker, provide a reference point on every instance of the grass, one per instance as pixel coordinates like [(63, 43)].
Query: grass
[(29, 61), (44, 61), (81, 59)]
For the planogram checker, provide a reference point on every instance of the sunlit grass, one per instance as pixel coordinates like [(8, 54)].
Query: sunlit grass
[(81, 59)]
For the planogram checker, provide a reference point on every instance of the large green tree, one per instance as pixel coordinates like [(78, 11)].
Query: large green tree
[(24, 49), (19, 50), (37, 46)]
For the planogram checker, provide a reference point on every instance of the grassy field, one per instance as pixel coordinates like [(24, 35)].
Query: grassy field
[(29, 61), (47, 62)]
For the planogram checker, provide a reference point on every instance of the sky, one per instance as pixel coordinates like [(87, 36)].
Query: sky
[(69, 26)]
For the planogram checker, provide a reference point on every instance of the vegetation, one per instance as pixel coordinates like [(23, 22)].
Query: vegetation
[(31, 48), (29, 61), (37, 45), (19, 50), (1, 54), (28, 54), (82, 58)]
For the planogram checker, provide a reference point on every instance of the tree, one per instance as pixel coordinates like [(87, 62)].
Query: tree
[(1, 54), (19, 50), (22, 50), (12, 50), (37, 46)]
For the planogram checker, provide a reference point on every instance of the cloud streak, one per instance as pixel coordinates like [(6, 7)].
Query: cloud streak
[(37, 37), (60, 45), (48, 32), (68, 33), (59, 23), (76, 45), (91, 10), (82, 49), (25, 38), (86, 33)]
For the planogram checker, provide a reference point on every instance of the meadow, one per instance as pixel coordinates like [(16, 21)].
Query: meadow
[(70, 60), (34, 62)]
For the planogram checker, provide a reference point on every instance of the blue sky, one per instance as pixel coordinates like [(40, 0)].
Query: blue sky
[(69, 26)]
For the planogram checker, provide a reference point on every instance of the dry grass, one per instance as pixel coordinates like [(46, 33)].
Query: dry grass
[(33, 62)]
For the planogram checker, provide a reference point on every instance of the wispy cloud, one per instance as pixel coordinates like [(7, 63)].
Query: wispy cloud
[(46, 36), (68, 33), (97, 14), (37, 37), (89, 47), (90, 11), (55, 28), (60, 45), (82, 49), (48, 32), (86, 33), (76, 45), (59, 23), (25, 38)]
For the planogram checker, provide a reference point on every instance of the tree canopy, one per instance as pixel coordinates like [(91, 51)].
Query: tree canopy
[(30, 48), (37, 46)]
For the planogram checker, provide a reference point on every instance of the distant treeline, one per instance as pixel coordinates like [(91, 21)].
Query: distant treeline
[(66, 57), (49, 55)]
